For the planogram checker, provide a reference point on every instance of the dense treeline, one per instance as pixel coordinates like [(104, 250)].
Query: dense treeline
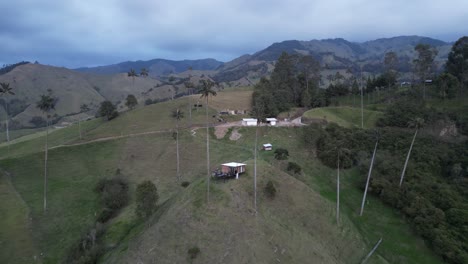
[(293, 83), (10, 67), (433, 196)]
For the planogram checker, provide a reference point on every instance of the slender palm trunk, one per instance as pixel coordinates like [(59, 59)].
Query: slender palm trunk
[(338, 192), (255, 169), (7, 128), (190, 109), (407, 157), (79, 127), (45, 164), (362, 109), (207, 153), (368, 179), (177, 149)]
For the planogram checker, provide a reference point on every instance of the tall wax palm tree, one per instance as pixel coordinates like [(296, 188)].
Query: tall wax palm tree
[(189, 87), (259, 113), (206, 89), (132, 74), (415, 123), (5, 89), (144, 72), (342, 153), (377, 135), (46, 104), (177, 114)]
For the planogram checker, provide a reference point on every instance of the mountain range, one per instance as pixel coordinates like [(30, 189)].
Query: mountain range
[(167, 78)]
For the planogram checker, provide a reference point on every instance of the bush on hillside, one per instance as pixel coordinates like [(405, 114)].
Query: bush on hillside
[(281, 154), (88, 248), (113, 193), (193, 252), (270, 189), (185, 184), (146, 199), (294, 167)]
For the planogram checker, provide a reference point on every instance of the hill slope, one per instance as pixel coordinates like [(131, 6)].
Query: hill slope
[(297, 226), (156, 67)]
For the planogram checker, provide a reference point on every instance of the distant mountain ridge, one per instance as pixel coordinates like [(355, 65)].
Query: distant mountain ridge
[(156, 67), (333, 54)]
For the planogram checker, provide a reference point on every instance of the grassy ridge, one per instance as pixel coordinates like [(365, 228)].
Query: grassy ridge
[(75, 170), (15, 236), (344, 116)]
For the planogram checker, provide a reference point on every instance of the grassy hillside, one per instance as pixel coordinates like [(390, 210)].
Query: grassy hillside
[(297, 226), (344, 116)]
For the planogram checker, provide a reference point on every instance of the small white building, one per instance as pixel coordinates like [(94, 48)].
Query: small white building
[(249, 121), (271, 121), (267, 146)]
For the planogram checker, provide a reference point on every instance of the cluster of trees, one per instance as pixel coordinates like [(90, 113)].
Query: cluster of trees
[(294, 82), (433, 196), (9, 67), (113, 195)]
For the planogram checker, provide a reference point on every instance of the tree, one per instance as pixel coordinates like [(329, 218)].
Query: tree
[(46, 104), (424, 63), (132, 74), (5, 89), (369, 174), (146, 199), (281, 154), (342, 155), (447, 84), (131, 101), (189, 86), (206, 90), (416, 123), (108, 110), (144, 72), (270, 189), (310, 68), (390, 64), (283, 80), (457, 62), (177, 114)]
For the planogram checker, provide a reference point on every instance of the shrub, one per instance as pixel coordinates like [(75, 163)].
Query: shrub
[(38, 121), (294, 167), (108, 110), (148, 101), (281, 154), (88, 248), (185, 184), (105, 215), (113, 192), (270, 189), (146, 199), (193, 252)]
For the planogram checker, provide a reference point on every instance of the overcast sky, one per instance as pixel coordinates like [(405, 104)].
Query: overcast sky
[(74, 33)]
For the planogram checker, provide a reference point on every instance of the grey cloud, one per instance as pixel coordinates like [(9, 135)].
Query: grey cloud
[(108, 31)]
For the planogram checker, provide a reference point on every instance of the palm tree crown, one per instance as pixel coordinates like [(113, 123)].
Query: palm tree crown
[(5, 89), (46, 103), (206, 88), (144, 72), (177, 114)]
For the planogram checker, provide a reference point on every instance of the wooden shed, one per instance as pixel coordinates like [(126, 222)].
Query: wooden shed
[(233, 168)]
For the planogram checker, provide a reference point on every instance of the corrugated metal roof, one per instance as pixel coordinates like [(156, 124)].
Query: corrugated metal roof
[(233, 164)]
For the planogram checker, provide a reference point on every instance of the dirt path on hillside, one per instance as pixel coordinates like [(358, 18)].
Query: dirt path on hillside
[(220, 132)]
